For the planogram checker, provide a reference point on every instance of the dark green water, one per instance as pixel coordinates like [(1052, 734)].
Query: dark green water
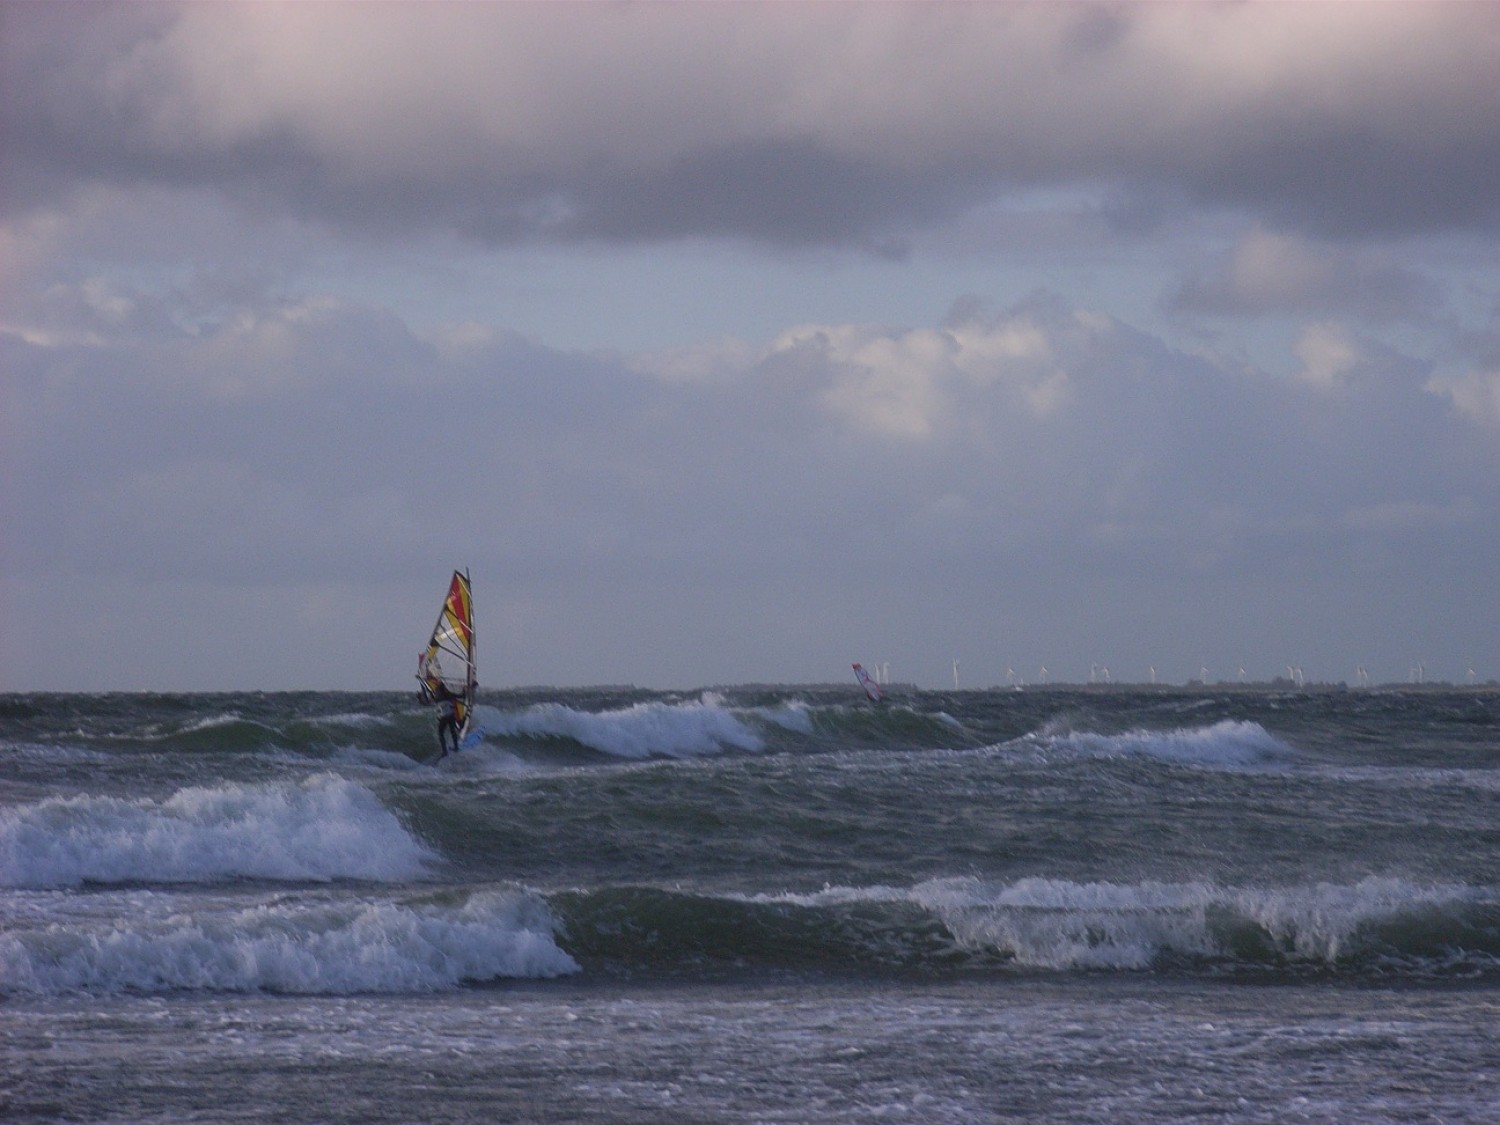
[(1242, 894)]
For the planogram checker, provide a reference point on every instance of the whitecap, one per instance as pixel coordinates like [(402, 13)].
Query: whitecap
[(644, 730), (293, 947), (322, 828)]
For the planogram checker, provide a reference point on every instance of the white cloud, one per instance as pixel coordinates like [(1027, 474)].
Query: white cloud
[(921, 384), (1475, 395), (1268, 273), (1328, 355)]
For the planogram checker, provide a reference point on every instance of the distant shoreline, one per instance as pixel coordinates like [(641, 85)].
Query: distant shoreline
[(1251, 687), (1192, 687)]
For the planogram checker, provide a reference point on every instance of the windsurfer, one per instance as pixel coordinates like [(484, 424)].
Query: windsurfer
[(448, 720), (453, 695), (432, 689)]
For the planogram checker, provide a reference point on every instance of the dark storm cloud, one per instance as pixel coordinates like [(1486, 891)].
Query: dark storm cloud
[(788, 192), (801, 124)]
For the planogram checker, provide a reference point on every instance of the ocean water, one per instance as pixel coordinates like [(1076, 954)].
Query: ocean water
[(752, 904)]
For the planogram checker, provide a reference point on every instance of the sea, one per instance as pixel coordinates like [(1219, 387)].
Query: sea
[(753, 904)]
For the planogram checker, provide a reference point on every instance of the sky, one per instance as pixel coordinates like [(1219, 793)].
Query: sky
[(730, 343)]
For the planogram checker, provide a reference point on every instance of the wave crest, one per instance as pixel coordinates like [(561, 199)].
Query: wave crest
[(1377, 926), (320, 829), (1229, 742), (1058, 924), (322, 948), (644, 730)]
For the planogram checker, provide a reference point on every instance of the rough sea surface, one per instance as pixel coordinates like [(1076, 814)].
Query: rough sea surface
[(767, 904)]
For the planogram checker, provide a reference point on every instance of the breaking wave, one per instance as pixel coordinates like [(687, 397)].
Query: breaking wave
[(1058, 924), (1226, 743), (318, 829), (644, 730), (306, 948), (1386, 927)]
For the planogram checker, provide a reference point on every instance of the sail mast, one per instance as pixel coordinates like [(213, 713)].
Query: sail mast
[(471, 681)]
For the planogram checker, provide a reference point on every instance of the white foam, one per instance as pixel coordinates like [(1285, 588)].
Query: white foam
[(1059, 924), (486, 761), (675, 730), (1230, 742), (316, 948), (792, 715), (214, 722), (52, 752), (319, 829)]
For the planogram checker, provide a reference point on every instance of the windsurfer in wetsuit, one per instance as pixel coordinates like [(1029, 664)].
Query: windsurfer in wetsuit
[(432, 689), (447, 718)]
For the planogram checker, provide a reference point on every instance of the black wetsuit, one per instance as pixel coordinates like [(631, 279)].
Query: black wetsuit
[(448, 719), (448, 724)]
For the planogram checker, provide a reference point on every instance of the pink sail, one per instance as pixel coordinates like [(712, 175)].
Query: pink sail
[(872, 689)]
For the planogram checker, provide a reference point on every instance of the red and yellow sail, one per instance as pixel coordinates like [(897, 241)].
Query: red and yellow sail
[(446, 667)]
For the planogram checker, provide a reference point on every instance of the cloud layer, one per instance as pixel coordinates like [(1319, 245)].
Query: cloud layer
[(806, 124), (819, 485), (737, 341)]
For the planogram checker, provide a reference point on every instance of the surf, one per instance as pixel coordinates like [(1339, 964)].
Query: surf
[(318, 829), (307, 946), (1228, 742), (640, 731), (1377, 928)]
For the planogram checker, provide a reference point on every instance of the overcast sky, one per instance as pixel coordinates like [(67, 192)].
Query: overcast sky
[(730, 343)]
